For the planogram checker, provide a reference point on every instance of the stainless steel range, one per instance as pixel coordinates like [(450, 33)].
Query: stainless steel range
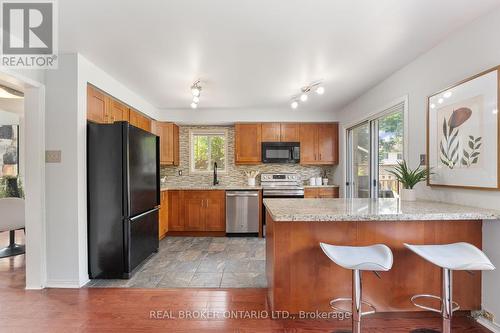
[(281, 185)]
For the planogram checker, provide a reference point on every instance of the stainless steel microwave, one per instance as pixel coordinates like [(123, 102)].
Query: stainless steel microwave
[(280, 152)]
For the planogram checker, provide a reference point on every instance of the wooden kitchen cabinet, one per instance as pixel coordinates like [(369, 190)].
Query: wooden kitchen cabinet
[(97, 105), (163, 216), (319, 144), (248, 140), (197, 211), (289, 132), (137, 119), (321, 192), (175, 218), (169, 142), (271, 132), (117, 111)]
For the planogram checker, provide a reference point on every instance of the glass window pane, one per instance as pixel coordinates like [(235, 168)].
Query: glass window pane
[(200, 154), (361, 161), (217, 151), (390, 151)]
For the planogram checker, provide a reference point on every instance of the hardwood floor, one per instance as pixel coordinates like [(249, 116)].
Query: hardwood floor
[(129, 310)]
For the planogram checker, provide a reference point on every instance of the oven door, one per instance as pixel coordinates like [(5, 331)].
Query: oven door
[(280, 152)]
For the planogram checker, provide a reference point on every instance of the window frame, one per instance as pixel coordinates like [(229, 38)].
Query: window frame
[(207, 132)]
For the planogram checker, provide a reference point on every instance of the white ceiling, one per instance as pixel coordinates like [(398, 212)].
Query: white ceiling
[(256, 54)]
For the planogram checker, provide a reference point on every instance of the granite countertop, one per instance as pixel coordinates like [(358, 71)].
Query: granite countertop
[(372, 210)]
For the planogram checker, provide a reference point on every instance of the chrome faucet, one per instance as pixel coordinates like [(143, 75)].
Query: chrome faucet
[(215, 174)]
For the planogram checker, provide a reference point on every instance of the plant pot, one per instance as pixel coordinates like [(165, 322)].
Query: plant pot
[(408, 195)]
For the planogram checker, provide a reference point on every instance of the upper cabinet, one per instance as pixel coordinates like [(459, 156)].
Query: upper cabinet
[(169, 142), (102, 108), (271, 132), (289, 132), (280, 132), (117, 111), (319, 144), (137, 119), (248, 139), (97, 106)]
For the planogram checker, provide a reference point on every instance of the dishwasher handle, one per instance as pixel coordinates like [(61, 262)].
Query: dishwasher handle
[(242, 194)]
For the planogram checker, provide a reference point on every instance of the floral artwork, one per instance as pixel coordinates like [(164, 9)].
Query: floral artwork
[(463, 134)]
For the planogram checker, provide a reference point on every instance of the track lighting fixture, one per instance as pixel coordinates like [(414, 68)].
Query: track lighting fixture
[(304, 93), (196, 91)]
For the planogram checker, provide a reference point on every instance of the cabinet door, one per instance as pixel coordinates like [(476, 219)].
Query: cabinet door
[(194, 205), (290, 133), (328, 143), (138, 120), (271, 132), (248, 143), (308, 143), (215, 211), (328, 192), (97, 106), (175, 210), (163, 222), (310, 193), (169, 142), (117, 111)]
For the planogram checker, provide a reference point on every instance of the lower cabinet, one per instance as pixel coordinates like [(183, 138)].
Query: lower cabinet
[(319, 193), (197, 211), (163, 216)]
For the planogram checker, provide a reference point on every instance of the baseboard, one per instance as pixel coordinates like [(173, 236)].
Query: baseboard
[(494, 327), (62, 284)]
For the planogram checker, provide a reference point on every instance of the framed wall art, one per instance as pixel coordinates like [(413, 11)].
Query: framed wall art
[(463, 133)]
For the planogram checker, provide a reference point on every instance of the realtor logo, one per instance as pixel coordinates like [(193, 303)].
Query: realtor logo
[(29, 34)]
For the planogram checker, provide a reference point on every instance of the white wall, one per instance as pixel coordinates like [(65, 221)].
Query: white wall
[(469, 51), (66, 182)]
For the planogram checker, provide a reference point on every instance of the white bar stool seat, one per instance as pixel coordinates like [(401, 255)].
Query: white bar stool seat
[(450, 257), (376, 258)]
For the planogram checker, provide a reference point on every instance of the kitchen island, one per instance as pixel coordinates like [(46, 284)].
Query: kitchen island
[(301, 278)]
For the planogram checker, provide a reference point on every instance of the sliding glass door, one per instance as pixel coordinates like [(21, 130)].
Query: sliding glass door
[(373, 148)]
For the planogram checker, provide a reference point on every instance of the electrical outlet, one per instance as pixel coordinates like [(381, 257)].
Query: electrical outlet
[(53, 156)]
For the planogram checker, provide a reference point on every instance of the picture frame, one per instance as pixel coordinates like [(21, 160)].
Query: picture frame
[(463, 134)]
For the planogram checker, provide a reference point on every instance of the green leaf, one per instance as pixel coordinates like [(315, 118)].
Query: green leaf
[(474, 161), (475, 154), (471, 144), (478, 139), (466, 154), (464, 162), (445, 127), (478, 146)]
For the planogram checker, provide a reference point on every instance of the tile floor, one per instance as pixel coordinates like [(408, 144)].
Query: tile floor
[(200, 262)]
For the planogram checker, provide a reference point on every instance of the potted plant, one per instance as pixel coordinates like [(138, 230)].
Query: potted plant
[(409, 178)]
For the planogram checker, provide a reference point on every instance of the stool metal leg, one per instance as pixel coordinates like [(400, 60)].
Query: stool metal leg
[(356, 301), (12, 249), (447, 299)]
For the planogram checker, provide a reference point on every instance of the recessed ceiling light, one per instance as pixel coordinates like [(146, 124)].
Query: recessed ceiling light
[(194, 105), (447, 94), (294, 104), (440, 101), (303, 97), (320, 90)]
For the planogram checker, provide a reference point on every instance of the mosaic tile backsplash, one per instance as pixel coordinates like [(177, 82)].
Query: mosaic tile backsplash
[(235, 174)]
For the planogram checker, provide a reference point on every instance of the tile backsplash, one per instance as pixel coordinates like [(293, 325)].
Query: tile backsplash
[(234, 174)]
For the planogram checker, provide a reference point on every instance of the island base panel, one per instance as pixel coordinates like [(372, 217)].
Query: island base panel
[(302, 278)]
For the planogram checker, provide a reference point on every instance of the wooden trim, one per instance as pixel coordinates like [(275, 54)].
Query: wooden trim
[(497, 69)]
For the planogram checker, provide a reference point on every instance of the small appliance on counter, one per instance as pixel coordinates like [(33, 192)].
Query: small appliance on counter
[(123, 196)]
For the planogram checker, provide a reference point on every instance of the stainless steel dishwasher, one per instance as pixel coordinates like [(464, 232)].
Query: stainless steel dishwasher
[(242, 212)]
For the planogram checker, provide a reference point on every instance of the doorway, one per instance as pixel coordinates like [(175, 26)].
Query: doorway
[(375, 146)]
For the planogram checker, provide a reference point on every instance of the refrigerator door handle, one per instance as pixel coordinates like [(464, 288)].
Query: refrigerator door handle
[(143, 214)]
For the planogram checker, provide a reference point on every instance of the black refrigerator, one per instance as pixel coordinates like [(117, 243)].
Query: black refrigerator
[(123, 180)]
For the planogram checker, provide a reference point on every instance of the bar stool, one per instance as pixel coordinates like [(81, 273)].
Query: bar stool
[(450, 257), (358, 258)]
